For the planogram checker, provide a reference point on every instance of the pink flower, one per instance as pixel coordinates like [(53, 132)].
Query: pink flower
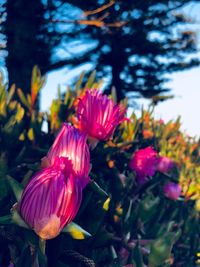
[(161, 121), (164, 164), (98, 116), (172, 190), (144, 163), (71, 143), (51, 199), (124, 254)]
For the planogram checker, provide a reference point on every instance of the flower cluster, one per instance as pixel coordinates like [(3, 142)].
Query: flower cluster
[(145, 162), (53, 196)]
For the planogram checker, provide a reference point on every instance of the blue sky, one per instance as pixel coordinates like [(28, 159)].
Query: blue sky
[(185, 86)]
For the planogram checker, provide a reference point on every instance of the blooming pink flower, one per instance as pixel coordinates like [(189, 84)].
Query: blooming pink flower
[(144, 163), (164, 164), (71, 143), (98, 116), (51, 199), (172, 190)]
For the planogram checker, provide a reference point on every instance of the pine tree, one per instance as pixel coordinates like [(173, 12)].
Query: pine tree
[(27, 44), (137, 56), (133, 44)]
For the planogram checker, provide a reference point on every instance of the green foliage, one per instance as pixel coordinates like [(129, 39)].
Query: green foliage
[(119, 222)]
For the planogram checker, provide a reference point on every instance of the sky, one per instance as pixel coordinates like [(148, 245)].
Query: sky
[(185, 86)]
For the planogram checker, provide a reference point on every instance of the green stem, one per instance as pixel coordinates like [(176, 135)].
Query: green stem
[(6, 219), (42, 245)]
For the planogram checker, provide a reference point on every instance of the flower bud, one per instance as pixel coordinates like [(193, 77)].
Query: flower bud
[(51, 199), (164, 164), (172, 190)]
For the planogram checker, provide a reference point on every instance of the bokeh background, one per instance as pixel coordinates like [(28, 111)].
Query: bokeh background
[(135, 46)]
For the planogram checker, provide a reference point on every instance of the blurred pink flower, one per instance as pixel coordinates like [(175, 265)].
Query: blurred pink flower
[(98, 116), (161, 121), (51, 199), (164, 164), (71, 143), (172, 190), (124, 254), (144, 163)]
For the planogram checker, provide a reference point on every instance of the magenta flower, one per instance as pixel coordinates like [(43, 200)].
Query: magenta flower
[(51, 199), (98, 116), (172, 190), (144, 163), (71, 143), (161, 121), (164, 164)]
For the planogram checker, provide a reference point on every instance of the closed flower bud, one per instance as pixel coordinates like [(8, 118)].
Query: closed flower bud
[(172, 190), (98, 116), (144, 163), (51, 199), (164, 164), (71, 143)]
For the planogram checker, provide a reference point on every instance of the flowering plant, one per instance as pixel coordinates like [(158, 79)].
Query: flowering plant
[(133, 200)]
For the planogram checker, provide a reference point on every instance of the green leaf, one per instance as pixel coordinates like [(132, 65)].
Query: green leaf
[(14, 218), (160, 249), (59, 92), (79, 82), (97, 189), (20, 113), (137, 256), (29, 100), (22, 97), (76, 231), (3, 170), (113, 252), (37, 82), (16, 187), (91, 80), (67, 95), (17, 219), (114, 94), (6, 219), (148, 207), (11, 93)]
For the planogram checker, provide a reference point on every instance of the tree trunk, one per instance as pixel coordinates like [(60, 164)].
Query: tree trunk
[(27, 43)]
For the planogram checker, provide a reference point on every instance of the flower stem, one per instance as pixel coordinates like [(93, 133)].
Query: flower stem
[(42, 245)]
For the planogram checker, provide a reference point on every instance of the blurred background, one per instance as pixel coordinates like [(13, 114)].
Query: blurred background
[(148, 50)]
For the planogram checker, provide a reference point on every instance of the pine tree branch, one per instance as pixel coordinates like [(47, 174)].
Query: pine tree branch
[(98, 10)]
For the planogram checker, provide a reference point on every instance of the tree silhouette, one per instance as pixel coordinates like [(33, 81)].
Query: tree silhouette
[(134, 44), (27, 37)]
